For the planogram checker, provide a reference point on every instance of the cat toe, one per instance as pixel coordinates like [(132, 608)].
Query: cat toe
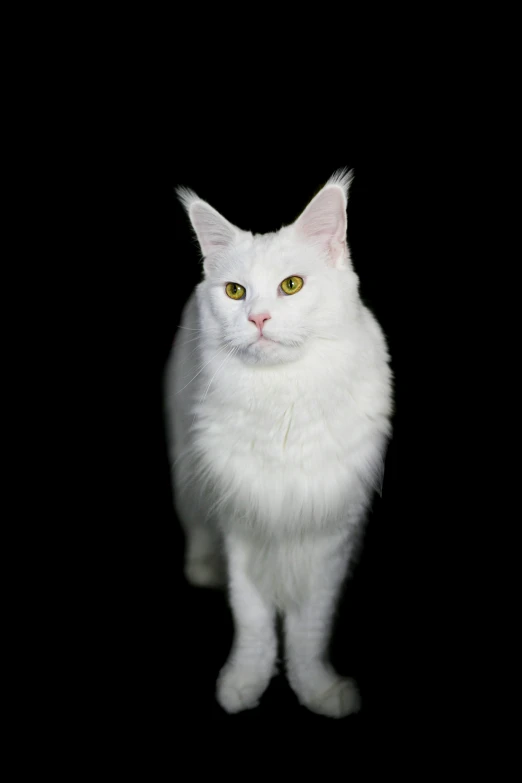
[(237, 691), (339, 700)]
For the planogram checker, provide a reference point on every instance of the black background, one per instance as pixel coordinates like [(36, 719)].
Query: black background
[(162, 642)]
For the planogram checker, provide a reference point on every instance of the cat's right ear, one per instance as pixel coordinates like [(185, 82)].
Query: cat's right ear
[(213, 231)]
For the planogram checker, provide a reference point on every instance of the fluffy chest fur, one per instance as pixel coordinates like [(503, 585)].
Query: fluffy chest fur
[(291, 447)]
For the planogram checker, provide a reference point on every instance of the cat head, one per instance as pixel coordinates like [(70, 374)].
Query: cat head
[(270, 295)]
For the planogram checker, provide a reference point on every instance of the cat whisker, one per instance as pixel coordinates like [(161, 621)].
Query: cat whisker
[(192, 339), (234, 348), (193, 350), (201, 369), (189, 329)]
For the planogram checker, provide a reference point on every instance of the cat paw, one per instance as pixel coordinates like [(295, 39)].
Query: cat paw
[(239, 690), (204, 573), (337, 700)]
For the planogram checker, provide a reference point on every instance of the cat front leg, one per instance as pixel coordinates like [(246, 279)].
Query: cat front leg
[(204, 557), (204, 562), (252, 661), (307, 632)]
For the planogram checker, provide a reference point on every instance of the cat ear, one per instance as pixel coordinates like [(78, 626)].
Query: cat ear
[(324, 220), (213, 231)]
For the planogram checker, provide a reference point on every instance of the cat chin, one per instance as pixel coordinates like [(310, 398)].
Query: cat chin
[(270, 352)]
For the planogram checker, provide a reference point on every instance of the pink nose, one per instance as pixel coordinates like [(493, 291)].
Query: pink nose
[(259, 320)]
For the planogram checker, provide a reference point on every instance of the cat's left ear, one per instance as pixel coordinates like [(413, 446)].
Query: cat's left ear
[(324, 222)]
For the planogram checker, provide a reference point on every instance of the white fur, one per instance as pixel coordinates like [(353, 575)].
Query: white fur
[(278, 446)]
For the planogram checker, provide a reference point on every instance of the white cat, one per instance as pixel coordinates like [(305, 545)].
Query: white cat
[(279, 397)]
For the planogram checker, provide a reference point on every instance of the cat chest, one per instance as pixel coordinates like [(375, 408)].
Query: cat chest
[(286, 467), (282, 441)]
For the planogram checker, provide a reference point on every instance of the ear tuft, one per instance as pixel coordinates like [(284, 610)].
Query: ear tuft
[(324, 223), (187, 197), (343, 178)]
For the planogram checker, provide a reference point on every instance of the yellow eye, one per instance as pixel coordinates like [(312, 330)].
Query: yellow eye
[(235, 291), (292, 285)]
